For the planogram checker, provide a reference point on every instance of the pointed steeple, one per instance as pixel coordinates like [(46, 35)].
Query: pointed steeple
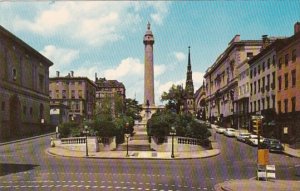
[(189, 86), (148, 26), (189, 60)]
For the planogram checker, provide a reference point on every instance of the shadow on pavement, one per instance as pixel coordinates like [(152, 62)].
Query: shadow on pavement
[(8, 168)]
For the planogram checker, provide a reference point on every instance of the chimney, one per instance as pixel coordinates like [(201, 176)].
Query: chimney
[(297, 27), (96, 78), (57, 73), (265, 41), (72, 74)]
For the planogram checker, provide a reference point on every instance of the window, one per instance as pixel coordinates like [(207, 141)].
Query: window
[(263, 104), (286, 59), (3, 106), (41, 82), (279, 106), (263, 66), (251, 89), (285, 105), (279, 63), (77, 106), (286, 80), (14, 74), (64, 94), (279, 83), (294, 55), (258, 105), (24, 110), (80, 93), (268, 102), (268, 82), (258, 84), (273, 60), (273, 83), (269, 63), (273, 101), (263, 83), (254, 72), (249, 54), (57, 94), (31, 111), (258, 69), (250, 106), (293, 78), (250, 74), (254, 87), (73, 94), (254, 106), (293, 104)]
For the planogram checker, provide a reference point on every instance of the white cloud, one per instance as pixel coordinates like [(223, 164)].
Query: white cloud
[(198, 79), (180, 56), (94, 23), (61, 57), (130, 68)]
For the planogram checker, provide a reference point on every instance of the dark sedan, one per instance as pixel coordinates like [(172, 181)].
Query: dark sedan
[(273, 145)]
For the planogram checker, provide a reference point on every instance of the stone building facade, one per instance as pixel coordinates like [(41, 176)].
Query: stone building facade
[(110, 89), (24, 81), (78, 93), (222, 82), (262, 85), (200, 103), (288, 87)]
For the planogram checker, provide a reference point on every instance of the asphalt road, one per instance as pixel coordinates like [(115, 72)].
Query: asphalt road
[(26, 166)]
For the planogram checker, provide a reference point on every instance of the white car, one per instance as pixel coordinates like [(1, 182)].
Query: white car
[(242, 136), (253, 140), (221, 130), (230, 132)]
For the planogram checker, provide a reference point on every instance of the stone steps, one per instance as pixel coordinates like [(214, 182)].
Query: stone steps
[(123, 147)]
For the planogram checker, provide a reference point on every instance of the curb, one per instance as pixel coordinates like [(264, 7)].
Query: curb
[(290, 155), (26, 139), (125, 158)]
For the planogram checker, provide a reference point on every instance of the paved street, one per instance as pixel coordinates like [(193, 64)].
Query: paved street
[(26, 166)]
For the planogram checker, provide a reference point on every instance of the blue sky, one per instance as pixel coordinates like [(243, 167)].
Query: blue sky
[(107, 37)]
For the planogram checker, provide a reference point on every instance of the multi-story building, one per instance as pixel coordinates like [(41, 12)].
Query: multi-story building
[(222, 82), (24, 81), (111, 89), (243, 92), (78, 93), (262, 85), (288, 87)]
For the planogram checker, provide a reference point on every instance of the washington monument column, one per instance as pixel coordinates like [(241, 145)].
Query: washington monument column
[(149, 79)]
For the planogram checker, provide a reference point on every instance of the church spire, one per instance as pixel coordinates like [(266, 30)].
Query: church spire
[(189, 86), (189, 61)]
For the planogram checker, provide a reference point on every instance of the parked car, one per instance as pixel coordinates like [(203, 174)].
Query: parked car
[(273, 145), (221, 130), (253, 140), (242, 136), (230, 132)]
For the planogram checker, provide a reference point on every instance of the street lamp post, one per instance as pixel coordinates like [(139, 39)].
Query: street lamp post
[(172, 133), (127, 136), (86, 132)]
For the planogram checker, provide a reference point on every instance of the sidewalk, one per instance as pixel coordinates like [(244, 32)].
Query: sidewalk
[(57, 151), (291, 152), (249, 185)]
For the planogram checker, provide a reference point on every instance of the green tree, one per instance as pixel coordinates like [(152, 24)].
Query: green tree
[(133, 109), (174, 98)]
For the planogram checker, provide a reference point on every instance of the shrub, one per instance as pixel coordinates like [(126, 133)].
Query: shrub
[(66, 129)]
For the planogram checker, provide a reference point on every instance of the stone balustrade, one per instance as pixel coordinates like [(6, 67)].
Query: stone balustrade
[(73, 140)]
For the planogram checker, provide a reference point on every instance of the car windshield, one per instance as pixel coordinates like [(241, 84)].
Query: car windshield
[(274, 142)]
